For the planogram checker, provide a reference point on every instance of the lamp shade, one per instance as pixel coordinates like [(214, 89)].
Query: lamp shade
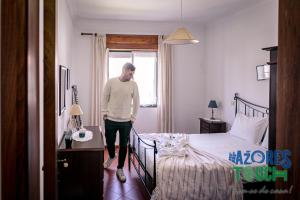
[(181, 36), (75, 110), (212, 104)]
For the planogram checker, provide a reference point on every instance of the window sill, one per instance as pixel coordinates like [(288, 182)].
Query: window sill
[(148, 106)]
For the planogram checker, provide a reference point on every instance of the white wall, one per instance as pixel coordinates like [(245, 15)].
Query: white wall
[(188, 86), (188, 71), (232, 52), (64, 57)]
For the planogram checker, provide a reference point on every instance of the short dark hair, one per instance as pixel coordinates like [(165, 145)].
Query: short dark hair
[(129, 66)]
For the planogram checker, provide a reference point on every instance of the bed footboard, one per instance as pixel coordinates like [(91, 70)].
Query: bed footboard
[(136, 150)]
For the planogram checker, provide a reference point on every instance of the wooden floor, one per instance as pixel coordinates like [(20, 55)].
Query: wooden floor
[(132, 189)]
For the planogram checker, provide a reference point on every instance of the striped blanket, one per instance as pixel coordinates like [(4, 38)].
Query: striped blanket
[(187, 173)]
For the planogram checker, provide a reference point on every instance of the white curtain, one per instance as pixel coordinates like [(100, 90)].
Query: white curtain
[(165, 87), (99, 77)]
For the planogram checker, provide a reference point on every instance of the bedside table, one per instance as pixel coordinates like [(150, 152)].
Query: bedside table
[(212, 126)]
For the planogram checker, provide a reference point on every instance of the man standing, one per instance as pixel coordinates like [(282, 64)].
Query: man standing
[(120, 105)]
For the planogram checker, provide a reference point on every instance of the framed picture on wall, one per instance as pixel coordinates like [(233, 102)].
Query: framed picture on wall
[(62, 88), (262, 72), (68, 78)]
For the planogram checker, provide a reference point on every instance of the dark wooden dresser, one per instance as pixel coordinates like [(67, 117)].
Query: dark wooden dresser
[(212, 126), (80, 169)]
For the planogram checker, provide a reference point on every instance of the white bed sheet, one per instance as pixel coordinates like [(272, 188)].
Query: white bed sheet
[(221, 144), (217, 144)]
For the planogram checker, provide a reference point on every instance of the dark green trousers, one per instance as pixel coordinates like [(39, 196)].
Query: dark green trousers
[(111, 128)]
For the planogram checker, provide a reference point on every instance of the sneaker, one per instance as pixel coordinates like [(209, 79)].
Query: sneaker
[(120, 175), (108, 162)]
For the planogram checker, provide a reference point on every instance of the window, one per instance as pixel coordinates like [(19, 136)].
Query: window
[(145, 74)]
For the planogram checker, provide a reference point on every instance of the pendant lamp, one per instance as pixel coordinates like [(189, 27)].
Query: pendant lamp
[(181, 35)]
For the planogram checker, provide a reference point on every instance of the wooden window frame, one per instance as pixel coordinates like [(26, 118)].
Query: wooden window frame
[(132, 42)]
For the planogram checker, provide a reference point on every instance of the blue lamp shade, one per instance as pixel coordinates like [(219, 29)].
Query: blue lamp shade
[(212, 104)]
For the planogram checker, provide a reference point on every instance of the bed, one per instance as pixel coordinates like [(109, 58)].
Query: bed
[(192, 166)]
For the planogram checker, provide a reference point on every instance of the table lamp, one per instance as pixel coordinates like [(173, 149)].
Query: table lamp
[(75, 110), (212, 104)]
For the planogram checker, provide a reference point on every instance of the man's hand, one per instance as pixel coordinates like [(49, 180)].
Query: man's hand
[(104, 117)]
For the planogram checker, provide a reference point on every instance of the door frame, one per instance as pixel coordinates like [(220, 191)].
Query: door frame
[(20, 120), (288, 93), (50, 144)]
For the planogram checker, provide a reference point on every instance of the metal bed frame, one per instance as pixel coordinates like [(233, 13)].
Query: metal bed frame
[(134, 156), (135, 151), (249, 108)]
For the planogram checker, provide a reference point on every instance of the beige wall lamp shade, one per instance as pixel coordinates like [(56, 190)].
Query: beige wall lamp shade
[(75, 110), (181, 36)]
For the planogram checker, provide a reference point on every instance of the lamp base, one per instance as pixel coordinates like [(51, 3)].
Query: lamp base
[(212, 114)]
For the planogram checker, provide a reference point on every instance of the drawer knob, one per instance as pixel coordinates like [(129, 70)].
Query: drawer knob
[(66, 164)]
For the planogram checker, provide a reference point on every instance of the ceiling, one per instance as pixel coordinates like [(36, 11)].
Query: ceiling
[(156, 10)]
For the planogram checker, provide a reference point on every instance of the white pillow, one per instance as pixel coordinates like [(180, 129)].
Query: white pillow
[(249, 128), (265, 142)]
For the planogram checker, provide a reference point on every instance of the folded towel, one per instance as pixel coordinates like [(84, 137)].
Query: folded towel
[(169, 144)]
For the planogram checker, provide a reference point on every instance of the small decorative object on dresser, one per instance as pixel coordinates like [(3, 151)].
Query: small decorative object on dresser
[(212, 126), (68, 139)]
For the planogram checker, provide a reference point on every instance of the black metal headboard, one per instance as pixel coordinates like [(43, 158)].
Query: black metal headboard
[(248, 108)]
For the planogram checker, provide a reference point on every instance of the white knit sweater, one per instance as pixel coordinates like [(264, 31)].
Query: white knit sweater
[(120, 100)]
